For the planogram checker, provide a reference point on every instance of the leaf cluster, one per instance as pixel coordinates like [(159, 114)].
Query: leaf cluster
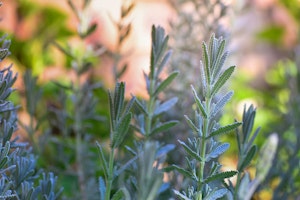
[(148, 123), (204, 149), (18, 170)]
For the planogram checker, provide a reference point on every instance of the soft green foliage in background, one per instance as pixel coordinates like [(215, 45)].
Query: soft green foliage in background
[(51, 23)]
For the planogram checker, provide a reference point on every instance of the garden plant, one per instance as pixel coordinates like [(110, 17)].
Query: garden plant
[(85, 141)]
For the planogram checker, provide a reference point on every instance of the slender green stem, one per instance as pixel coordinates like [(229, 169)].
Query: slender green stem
[(203, 149), (201, 169), (31, 134), (235, 197), (79, 160), (150, 109), (110, 174), (78, 133)]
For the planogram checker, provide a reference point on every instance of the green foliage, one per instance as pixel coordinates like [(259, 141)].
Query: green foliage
[(272, 34), (205, 146), (293, 7), (52, 24), (19, 175), (286, 167), (150, 177), (148, 183), (140, 164), (148, 122), (119, 125), (68, 123)]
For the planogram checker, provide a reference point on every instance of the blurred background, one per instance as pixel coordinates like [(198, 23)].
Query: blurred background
[(262, 40), (259, 33)]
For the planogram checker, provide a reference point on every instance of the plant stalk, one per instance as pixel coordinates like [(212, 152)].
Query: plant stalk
[(203, 150), (110, 174), (78, 132), (150, 109), (238, 180)]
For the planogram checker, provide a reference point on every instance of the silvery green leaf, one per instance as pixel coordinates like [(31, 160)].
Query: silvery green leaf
[(190, 151), (184, 172), (215, 167), (118, 195), (165, 83), (141, 123), (5, 149), (121, 130), (164, 62), (212, 48), (159, 46), (244, 186), (216, 194), (224, 129), (199, 103), (218, 53), (163, 127), (222, 102), (111, 109), (119, 99), (222, 80), (3, 53), (218, 151), (130, 150), (3, 87), (165, 106), (180, 195), (192, 125), (102, 159), (147, 82), (248, 121), (102, 188), (141, 106), (220, 176), (219, 64), (130, 104), (246, 161), (164, 187), (206, 59), (220, 50), (203, 78), (125, 166), (164, 150), (266, 156), (252, 138)]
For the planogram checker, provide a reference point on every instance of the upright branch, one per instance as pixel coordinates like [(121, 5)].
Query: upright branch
[(204, 149), (148, 122), (120, 119)]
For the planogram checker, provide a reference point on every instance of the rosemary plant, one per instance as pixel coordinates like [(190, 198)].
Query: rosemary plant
[(140, 175), (204, 148), (245, 187), (195, 22), (246, 149), (18, 172), (120, 118), (33, 94), (149, 119), (148, 122), (77, 108)]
